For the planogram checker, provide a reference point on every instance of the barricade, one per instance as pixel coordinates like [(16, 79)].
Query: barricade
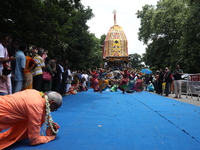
[(193, 85)]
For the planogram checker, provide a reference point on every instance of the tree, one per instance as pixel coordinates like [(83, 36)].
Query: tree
[(136, 61), (189, 43), (171, 32), (145, 33), (58, 26), (102, 39)]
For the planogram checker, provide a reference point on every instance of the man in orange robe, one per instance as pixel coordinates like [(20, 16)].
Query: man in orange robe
[(22, 114)]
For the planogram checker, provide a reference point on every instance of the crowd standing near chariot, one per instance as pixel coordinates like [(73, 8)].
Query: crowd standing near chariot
[(30, 80), (37, 71)]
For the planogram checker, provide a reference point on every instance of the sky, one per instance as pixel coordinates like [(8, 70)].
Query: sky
[(126, 18)]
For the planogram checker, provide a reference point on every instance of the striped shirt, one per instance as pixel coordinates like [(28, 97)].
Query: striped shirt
[(38, 69)]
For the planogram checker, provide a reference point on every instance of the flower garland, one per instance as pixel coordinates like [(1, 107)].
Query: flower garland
[(48, 119)]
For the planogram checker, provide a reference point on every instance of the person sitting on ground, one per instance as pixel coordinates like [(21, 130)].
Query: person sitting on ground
[(150, 87), (82, 86), (73, 89), (23, 113)]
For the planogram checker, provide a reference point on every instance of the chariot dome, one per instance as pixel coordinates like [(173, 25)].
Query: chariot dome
[(115, 48)]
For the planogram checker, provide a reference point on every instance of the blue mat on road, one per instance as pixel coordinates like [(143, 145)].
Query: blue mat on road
[(116, 121)]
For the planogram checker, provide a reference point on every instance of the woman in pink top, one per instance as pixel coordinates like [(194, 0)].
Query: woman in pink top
[(23, 113)]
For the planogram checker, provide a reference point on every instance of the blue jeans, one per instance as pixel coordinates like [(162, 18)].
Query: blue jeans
[(17, 86), (156, 86), (167, 88), (2, 94)]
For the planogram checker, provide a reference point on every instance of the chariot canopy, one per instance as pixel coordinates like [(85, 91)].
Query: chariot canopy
[(115, 46)]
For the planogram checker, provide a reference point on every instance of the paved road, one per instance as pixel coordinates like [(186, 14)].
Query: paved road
[(115, 121), (187, 99)]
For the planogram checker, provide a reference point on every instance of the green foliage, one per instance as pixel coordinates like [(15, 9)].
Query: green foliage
[(58, 26), (103, 37), (146, 14), (171, 30), (136, 61)]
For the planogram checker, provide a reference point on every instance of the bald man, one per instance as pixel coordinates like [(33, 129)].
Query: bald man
[(23, 114)]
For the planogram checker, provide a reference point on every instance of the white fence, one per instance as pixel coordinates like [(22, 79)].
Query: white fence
[(193, 88)]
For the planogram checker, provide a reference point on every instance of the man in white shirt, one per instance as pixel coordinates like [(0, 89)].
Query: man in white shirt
[(69, 80), (5, 61), (85, 75)]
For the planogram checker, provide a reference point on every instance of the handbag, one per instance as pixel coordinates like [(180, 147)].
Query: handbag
[(46, 76), (6, 70)]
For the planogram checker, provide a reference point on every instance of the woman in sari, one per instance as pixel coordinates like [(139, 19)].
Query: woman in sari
[(28, 77), (94, 80), (138, 87), (103, 82), (124, 81), (131, 83)]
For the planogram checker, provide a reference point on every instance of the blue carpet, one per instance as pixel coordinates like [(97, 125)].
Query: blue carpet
[(116, 121)]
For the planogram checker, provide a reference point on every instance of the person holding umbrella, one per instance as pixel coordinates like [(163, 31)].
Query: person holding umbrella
[(146, 71)]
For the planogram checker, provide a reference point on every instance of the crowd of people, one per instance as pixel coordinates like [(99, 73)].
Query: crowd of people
[(32, 85), (128, 80), (28, 70), (165, 82), (24, 108), (21, 69)]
